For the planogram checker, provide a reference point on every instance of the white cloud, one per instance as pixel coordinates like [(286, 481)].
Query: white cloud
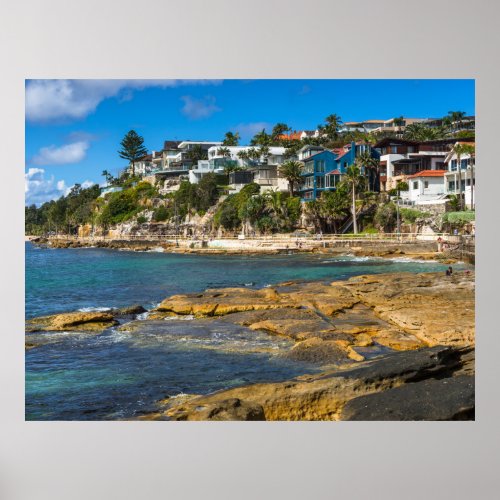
[(62, 155), (250, 129), (38, 189), (48, 100), (196, 109)]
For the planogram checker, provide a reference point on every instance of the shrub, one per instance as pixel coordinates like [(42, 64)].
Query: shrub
[(141, 219), (385, 217), (411, 215), (459, 218), (121, 207), (161, 214)]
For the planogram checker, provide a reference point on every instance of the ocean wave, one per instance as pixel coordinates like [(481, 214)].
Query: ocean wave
[(409, 260), (94, 309), (187, 317)]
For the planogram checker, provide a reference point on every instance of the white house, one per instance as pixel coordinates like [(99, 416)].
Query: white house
[(425, 187), (467, 174), (203, 168), (265, 170)]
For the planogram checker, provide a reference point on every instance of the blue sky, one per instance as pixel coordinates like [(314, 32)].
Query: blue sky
[(74, 127)]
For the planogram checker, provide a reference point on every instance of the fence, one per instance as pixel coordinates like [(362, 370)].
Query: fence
[(468, 240)]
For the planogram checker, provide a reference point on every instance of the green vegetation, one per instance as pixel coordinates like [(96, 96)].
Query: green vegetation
[(65, 214), (385, 217), (269, 212), (459, 218), (132, 148), (410, 215)]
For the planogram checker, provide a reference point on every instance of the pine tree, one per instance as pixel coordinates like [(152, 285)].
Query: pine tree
[(132, 148)]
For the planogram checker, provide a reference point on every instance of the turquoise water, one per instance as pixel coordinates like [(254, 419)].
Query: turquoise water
[(116, 374)]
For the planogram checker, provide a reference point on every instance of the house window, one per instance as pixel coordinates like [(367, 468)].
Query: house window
[(309, 167), (453, 165), (426, 184), (320, 166), (463, 164), (320, 182), (415, 184), (451, 186)]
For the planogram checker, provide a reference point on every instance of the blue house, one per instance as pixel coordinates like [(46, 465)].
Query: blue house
[(323, 170), (319, 175)]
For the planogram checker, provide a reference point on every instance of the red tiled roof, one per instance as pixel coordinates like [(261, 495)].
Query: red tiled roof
[(336, 172), (429, 173), (343, 154), (291, 137)]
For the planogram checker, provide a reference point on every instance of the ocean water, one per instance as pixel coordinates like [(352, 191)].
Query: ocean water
[(121, 374)]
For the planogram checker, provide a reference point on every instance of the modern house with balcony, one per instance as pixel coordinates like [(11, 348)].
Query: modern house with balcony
[(319, 174), (467, 174), (393, 125), (264, 170), (400, 158), (323, 168)]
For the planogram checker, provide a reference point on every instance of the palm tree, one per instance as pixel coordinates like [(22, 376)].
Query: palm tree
[(420, 132), (399, 122), (107, 176), (456, 118), (261, 138), (353, 179), (231, 139), (372, 165), (292, 171), (265, 151), (224, 152), (331, 127), (459, 149), (243, 155), (279, 129), (253, 154), (197, 153)]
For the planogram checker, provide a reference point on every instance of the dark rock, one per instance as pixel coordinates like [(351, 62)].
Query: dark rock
[(129, 311), (412, 366), (445, 399)]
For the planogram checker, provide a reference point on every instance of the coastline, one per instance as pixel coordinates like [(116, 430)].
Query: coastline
[(431, 347), (418, 250)]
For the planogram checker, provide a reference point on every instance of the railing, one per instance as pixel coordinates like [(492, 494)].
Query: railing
[(401, 237)]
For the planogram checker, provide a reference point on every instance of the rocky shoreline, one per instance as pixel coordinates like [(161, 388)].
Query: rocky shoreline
[(394, 347), (411, 250)]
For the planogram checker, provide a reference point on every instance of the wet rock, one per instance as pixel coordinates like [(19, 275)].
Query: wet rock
[(224, 301), (325, 396), (444, 399), (229, 409), (74, 321), (317, 350), (129, 311)]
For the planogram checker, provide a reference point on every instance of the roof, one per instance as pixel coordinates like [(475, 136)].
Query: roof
[(335, 172), (185, 143), (171, 144), (429, 173)]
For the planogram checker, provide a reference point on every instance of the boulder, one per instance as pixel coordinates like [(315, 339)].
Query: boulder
[(443, 399), (74, 321)]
